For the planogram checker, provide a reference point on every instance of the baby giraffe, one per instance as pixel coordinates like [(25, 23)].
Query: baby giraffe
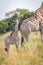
[(12, 38)]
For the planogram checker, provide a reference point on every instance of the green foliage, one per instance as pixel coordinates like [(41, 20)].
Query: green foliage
[(9, 23), (3, 26)]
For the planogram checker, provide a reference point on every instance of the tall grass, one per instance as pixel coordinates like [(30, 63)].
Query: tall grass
[(32, 54)]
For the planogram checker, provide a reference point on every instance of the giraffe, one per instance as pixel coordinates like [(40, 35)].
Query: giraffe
[(30, 25), (12, 38), (34, 24)]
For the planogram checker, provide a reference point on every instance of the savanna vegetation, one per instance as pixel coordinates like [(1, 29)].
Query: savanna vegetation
[(32, 54)]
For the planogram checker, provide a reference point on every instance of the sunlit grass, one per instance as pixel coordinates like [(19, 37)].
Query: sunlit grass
[(32, 54)]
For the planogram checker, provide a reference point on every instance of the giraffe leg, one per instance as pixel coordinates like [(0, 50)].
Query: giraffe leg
[(17, 44), (7, 48), (22, 40)]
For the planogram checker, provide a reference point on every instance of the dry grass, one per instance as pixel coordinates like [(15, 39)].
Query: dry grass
[(31, 55)]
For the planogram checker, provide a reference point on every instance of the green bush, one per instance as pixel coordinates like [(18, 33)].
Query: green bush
[(3, 26)]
